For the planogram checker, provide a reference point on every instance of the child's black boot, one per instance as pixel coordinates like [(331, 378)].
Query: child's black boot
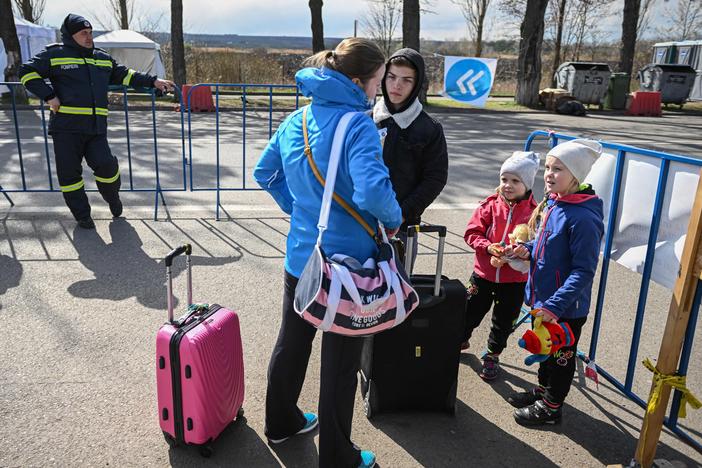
[(538, 414)]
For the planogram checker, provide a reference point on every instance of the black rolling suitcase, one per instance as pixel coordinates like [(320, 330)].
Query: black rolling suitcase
[(414, 366)]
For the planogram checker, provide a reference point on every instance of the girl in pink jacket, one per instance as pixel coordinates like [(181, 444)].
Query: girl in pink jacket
[(497, 279)]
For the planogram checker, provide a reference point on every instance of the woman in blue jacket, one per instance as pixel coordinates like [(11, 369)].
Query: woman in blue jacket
[(564, 258), (338, 81)]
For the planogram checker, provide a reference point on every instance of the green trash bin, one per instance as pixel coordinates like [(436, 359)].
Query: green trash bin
[(617, 91)]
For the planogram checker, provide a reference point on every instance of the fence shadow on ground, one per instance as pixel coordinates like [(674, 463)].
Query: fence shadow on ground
[(122, 269)]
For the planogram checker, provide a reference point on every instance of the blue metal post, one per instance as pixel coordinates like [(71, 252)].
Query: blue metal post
[(686, 351), (17, 135), (243, 142), (270, 112), (217, 145), (190, 137), (46, 145), (129, 146), (158, 178), (607, 253), (646, 275)]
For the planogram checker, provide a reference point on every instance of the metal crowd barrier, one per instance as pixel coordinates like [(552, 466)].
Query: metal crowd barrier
[(158, 189), (218, 186), (626, 388)]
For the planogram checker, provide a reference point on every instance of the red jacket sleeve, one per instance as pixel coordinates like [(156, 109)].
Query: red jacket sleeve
[(476, 232)]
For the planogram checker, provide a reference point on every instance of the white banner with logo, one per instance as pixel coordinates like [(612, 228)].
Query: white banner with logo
[(469, 79)]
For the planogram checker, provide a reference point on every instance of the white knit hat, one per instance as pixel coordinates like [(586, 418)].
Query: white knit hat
[(523, 164), (578, 156)]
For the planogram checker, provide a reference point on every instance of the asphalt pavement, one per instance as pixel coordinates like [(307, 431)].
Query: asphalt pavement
[(81, 308)]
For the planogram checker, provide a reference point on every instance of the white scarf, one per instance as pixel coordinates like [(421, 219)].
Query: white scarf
[(403, 119)]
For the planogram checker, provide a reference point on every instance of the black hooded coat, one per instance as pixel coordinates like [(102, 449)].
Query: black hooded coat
[(80, 78), (415, 156)]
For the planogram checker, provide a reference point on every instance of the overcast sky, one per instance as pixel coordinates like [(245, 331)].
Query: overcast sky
[(292, 17)]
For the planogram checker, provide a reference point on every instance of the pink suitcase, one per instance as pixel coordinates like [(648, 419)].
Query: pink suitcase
[(200, 369)]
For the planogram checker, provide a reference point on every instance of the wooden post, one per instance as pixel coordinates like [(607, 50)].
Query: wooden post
[(675, 327)]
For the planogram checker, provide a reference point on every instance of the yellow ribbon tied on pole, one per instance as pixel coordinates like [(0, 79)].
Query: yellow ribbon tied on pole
[(676, 382)]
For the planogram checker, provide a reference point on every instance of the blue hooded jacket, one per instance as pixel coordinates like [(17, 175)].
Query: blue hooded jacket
[(564, 255), (362, 178)]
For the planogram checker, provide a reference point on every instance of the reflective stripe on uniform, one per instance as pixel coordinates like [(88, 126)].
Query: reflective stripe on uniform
[(108, 180), (99, 62), (58, 61), (30, 76), (128, 79), (82, 110), (73, 187), (55, 62)]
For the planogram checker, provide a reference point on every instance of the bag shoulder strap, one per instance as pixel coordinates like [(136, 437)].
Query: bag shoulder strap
[(320, 179)]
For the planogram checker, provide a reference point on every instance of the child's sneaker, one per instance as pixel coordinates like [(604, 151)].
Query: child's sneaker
[(491, 367), (523, 399), (538, 414)]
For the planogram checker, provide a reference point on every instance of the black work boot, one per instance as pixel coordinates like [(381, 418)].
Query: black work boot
[(116, 208), (537, 414), (86, 223)]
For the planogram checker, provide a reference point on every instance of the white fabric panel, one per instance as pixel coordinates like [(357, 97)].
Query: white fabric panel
[(637, 197), (133, 50)]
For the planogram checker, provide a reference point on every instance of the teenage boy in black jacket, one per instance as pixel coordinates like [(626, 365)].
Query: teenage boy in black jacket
[(415, 147)]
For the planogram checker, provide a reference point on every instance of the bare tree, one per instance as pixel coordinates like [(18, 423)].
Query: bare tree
[(559, 19), (529, 61), (380, 22), (31, 10), (120, 14), (410, 24), (317, 25), (644, 17), (8, 34), (474, 12), (177, 46), (630, 22), (685, 20)]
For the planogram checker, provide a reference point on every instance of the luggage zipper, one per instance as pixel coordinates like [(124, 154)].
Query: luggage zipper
[(175, 371)]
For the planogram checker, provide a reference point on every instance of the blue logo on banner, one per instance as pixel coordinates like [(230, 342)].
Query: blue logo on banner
[(468, 80)]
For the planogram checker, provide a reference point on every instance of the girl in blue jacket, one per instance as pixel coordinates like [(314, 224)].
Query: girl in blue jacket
[(343, 80), (563, 259)]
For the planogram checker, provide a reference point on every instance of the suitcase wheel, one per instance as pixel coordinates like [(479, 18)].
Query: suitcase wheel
[(170, 440), (206, 451), (450, 406), (370, 402)]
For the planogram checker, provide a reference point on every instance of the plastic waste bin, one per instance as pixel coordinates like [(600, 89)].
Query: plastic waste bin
[(586, 81), (617, 91), (673, 81)]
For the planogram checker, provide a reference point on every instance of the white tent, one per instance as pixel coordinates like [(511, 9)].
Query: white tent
[(32, 38), (133, 50)]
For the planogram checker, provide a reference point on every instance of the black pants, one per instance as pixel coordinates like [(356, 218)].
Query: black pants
[(507, 297), (556, 373), (69, 150), (286, 372)]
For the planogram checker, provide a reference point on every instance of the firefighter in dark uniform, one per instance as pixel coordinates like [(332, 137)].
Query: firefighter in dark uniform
[(80, 74)]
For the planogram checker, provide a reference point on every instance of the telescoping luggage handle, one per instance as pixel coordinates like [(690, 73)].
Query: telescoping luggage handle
[(183, 249), (413, 231)]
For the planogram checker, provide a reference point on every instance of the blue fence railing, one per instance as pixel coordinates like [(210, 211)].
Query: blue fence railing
[(158, 189), (665, 159), (243, 94)]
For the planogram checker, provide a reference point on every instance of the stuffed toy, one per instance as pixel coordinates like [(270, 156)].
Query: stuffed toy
[(545, 339), (519, 235)]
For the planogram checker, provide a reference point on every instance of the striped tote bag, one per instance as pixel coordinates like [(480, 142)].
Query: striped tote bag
[(337, 293)]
